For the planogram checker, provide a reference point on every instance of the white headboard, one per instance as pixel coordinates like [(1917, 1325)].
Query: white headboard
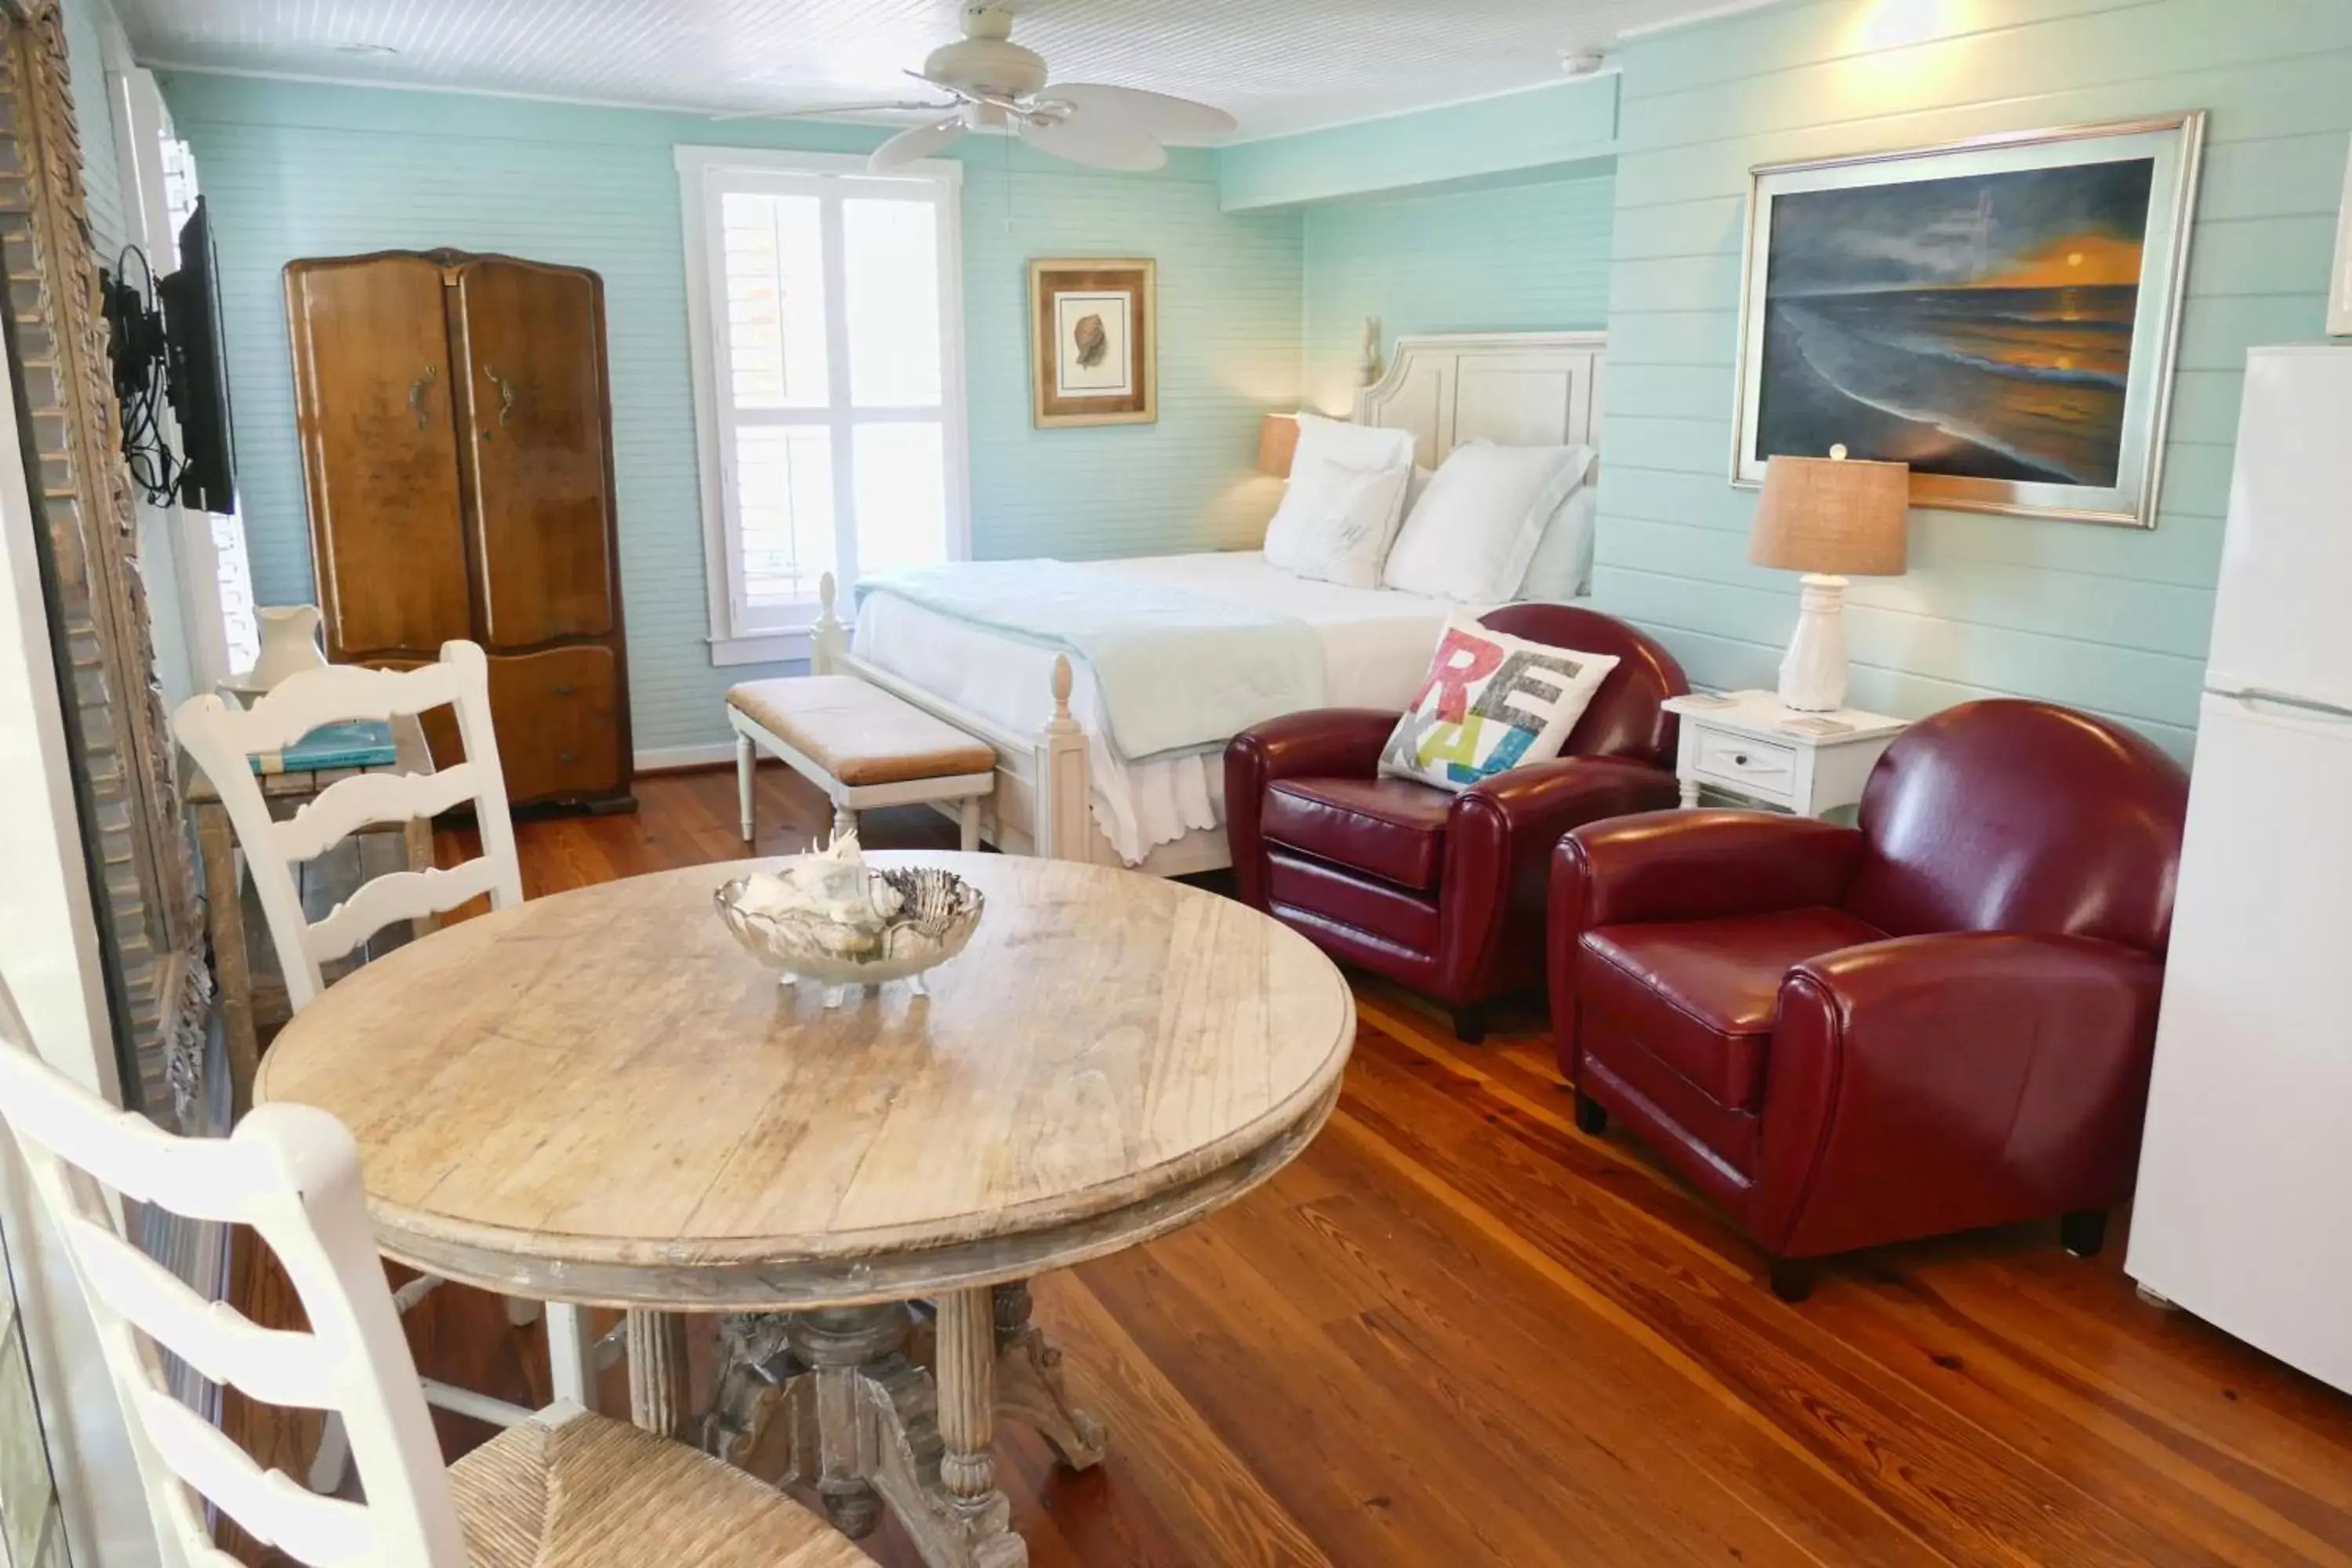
[(1517, 389)]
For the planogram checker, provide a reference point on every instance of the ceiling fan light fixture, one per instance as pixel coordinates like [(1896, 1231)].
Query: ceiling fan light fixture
[(986, 60), (1003, 87)]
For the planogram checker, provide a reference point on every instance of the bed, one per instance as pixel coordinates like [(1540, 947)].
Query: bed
[(1064, 788)]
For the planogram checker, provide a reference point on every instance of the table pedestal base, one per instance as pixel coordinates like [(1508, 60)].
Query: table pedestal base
[(868, 1406)]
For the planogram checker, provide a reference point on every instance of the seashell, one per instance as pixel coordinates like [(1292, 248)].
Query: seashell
[(1090, 338)]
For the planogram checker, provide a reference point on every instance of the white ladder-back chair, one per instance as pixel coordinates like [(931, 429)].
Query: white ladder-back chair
[(565, 1489), (223, 740)]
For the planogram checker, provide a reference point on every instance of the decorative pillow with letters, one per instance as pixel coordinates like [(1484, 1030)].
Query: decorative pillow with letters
[(1491, 702)]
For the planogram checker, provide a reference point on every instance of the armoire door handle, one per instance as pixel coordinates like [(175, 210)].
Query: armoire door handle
[(416, 391), (506, 393)]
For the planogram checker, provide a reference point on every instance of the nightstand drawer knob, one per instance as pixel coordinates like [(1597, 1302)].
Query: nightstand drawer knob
[(1745, 763)]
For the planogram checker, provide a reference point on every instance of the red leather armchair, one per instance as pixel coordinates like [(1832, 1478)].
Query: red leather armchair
[(1940, 1019), (1443, 892)]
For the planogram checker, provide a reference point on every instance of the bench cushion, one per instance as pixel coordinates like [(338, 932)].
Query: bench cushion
[(859, 733)]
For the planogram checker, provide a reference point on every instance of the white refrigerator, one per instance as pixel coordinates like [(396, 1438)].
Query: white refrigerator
[(2244, 1209)]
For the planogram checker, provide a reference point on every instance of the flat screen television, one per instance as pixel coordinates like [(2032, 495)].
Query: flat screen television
[(196, 374)]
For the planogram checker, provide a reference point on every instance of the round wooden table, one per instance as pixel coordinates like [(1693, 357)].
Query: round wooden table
[(599, 1097)]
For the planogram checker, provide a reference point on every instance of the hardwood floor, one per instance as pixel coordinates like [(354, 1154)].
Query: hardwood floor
[(1457, 1332)]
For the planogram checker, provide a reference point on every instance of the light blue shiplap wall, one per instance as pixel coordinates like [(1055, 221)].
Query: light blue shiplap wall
[(1259, 310), (293, 170), (1519, 258), (2109, 619)]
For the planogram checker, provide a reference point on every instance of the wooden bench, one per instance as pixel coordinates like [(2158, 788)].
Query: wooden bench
[(862, 746)]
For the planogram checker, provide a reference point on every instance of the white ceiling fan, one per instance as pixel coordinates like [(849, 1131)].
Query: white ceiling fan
[(995, 84)]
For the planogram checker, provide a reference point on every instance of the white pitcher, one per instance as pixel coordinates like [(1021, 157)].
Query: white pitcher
[(289, 644)]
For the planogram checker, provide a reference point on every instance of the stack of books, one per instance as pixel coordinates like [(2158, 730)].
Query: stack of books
[(357, 743)]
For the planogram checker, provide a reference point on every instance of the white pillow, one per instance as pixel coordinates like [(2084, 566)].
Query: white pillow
[(1561, 567), (1479, 522), (1357, 445), (1491, 702), (1335, 522), (1350, 446)]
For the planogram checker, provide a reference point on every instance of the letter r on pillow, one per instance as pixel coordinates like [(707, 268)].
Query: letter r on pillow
[(1462, 662)]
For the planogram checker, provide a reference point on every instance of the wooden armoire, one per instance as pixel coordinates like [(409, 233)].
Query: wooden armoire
[(457, 452)]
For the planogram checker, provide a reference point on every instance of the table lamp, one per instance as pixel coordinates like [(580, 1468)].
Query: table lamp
[(1278, 444), (1831, 518)]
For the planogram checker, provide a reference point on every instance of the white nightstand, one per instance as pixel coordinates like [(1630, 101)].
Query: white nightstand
[(1742, 741)]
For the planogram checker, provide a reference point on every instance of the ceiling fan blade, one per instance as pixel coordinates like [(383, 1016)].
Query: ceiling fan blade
[(1094, 144), (830, 109), (1154, 113), (920, 143)]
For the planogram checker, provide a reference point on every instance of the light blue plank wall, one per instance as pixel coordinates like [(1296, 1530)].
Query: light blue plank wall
[(294, 171), (1519, 259), (1565, 123), (2112, 620), (2109, 619)]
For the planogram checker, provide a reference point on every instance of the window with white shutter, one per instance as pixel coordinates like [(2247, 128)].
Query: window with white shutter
[(826, 307)]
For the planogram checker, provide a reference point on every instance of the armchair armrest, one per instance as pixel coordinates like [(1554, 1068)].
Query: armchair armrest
[(1521, 814), (1938, 1083), (1698, 865), (1499, 841), (1323, 743)]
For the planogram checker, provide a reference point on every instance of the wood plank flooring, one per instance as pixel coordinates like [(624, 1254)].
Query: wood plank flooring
[(1459, 1332)]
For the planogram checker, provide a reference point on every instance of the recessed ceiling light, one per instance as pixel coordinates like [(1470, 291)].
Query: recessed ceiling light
[(372, 50)]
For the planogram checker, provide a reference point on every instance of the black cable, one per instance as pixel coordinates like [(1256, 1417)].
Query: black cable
[(137, 348)]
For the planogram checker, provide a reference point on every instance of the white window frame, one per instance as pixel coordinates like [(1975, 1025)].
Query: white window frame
[(704, 174)]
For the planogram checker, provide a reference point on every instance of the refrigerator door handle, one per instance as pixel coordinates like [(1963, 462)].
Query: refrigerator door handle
[(2298, 713)]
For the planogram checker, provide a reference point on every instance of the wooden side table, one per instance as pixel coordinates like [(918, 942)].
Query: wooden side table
[(1747, 744), (285, 792)]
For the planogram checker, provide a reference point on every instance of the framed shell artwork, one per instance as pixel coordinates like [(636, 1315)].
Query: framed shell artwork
[(1095, 342)]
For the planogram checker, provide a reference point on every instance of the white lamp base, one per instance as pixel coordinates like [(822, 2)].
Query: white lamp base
[(1812, 675)]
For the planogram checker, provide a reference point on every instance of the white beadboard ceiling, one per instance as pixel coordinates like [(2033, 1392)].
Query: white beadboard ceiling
[(1278, 66)]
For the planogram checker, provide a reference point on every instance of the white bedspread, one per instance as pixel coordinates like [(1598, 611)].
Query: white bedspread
[(1176, 669), (1376, 648)]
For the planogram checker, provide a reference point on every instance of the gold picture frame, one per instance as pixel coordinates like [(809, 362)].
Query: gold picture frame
[(1094, 329)]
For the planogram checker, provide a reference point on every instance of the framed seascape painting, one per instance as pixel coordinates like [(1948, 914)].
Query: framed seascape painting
[(1095, 354), (2001, 315)]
